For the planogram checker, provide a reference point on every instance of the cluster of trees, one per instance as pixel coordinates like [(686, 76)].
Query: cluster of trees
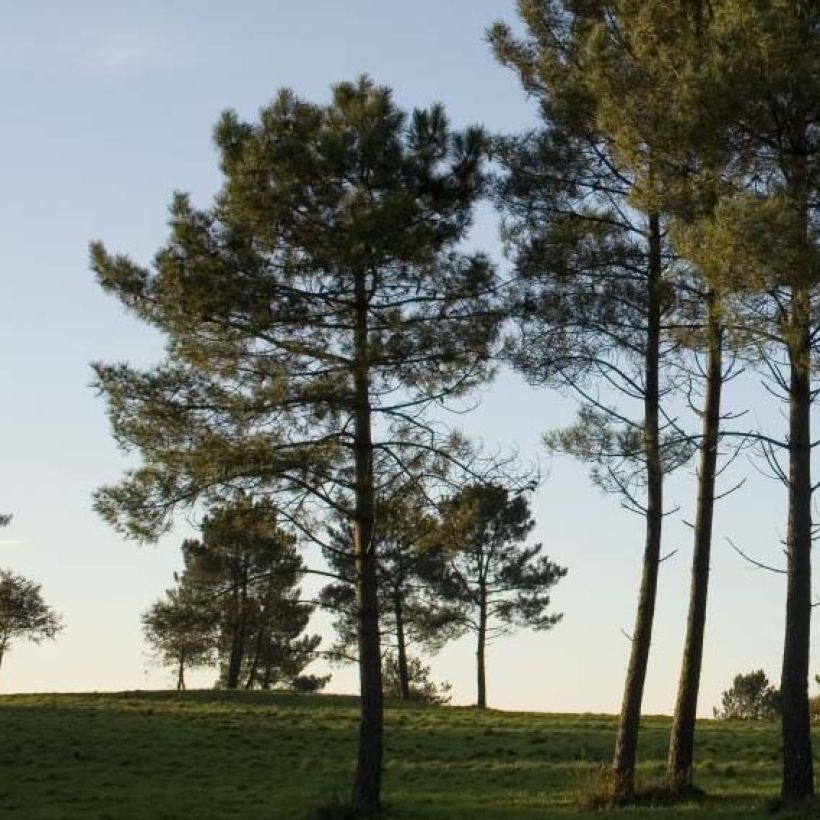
[(661, 223), (237, 604), (463, 569), (441, 574)]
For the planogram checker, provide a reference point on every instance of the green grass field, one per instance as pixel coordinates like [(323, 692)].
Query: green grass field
[(260, 756)]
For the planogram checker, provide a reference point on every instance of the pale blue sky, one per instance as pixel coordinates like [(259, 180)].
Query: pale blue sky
[(108, 108)]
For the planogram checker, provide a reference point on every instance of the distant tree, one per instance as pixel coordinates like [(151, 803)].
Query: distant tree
[(181, 631), (245, 572), (416, 676), (278, 618), (501, 583), (312, 315), (24, 615), (751, 697), (414, 607)]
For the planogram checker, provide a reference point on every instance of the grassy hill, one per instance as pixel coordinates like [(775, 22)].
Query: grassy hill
[(260, 756)]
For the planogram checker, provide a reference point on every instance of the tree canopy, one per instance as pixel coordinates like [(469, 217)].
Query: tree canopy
[(24, 614)]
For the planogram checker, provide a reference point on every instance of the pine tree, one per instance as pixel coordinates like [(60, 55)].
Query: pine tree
[(761, 241), (243, 575), (415, 608), (312, 316), (501, 583), (596, 292)]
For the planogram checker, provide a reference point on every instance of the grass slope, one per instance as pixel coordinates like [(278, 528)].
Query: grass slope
[(261, 756)]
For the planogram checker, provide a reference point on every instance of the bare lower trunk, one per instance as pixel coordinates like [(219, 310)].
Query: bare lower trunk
[(252, 673), (262, 636), (682, 740), (480, 654), (237, 654), (798, 770), (626, 745), (181, 675), (401, 649), (267, 675), (481, 675), (367, 783)]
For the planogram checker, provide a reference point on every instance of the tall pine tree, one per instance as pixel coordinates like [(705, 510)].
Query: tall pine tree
[(596, 283), (761, 240), (312, 315)]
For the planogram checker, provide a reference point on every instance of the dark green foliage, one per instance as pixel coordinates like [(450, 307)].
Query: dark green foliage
[(255, 296), (244, 575), (751, 697), (415, 609), (24, 615), (421, 688)]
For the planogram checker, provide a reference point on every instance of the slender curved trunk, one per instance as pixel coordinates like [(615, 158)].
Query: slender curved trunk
[(481, 649), (367, 781), (798, 770), (181, 675), (626, 744), (682, 740), (401, 646)]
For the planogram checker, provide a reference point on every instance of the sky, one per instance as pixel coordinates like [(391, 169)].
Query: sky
[(108, 108)]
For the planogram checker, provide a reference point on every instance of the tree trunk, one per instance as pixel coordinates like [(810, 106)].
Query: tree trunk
[(682, 740), (367, 782), (404, 672), (798, 770), (262, 635), (626, 745), (237, 644), (252, 672), (480, 654), (181, 676)]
